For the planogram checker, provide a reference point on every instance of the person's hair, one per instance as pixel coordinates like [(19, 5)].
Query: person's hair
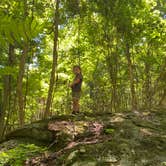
[(77, 66)]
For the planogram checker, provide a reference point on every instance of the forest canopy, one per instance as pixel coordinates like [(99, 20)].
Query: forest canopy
[(120, 46)]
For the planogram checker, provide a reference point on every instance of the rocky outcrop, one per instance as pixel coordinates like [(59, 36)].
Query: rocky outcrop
[(120, 139)]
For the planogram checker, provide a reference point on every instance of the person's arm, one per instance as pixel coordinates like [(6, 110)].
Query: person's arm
[(76, 81)]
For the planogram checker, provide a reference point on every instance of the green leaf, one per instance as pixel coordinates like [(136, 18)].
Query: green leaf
[(109, 130)]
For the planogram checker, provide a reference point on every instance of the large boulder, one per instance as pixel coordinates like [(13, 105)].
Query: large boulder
[(120, 139)]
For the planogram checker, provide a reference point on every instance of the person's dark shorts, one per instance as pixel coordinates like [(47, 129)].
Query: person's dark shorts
[(76, 95)]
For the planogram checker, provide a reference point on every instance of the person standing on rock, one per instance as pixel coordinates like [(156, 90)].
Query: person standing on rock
[(76, 88)]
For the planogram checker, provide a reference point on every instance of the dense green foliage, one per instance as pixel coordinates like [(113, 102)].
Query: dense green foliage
[(19, 154), (120, 46)]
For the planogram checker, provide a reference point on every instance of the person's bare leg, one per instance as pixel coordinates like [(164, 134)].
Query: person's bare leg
[(75, 105), (78, 106)]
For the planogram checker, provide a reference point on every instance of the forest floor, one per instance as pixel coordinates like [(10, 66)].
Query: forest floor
[(135, 138)]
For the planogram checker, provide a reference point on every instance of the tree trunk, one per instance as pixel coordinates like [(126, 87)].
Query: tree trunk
[(161, 77), (19, 92), (147, 85), (162, 101), (4, 105), (54, 64), (112, 65), (26, 87), (6, 93), (131, 78), (114, 82)]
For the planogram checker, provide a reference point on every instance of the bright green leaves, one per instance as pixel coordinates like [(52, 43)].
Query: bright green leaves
[(72, 7), (19, 23), (109, 130), (148, 59), (19, 154), (8, 70), (19, 31)]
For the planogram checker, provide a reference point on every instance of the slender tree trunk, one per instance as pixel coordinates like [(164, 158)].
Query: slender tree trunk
[(112, 65), (4, 105), (6, 93), (147, 85), (114, 82), (161, 77), (131, 78), (19, 92), (26, 87), (54, 64), (162, 101)]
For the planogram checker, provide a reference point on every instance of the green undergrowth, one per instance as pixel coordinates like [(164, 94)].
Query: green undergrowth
[(90, 155), (18, 155)]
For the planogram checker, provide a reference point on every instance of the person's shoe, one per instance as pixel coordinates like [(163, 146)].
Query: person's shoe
[(75, 112)]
